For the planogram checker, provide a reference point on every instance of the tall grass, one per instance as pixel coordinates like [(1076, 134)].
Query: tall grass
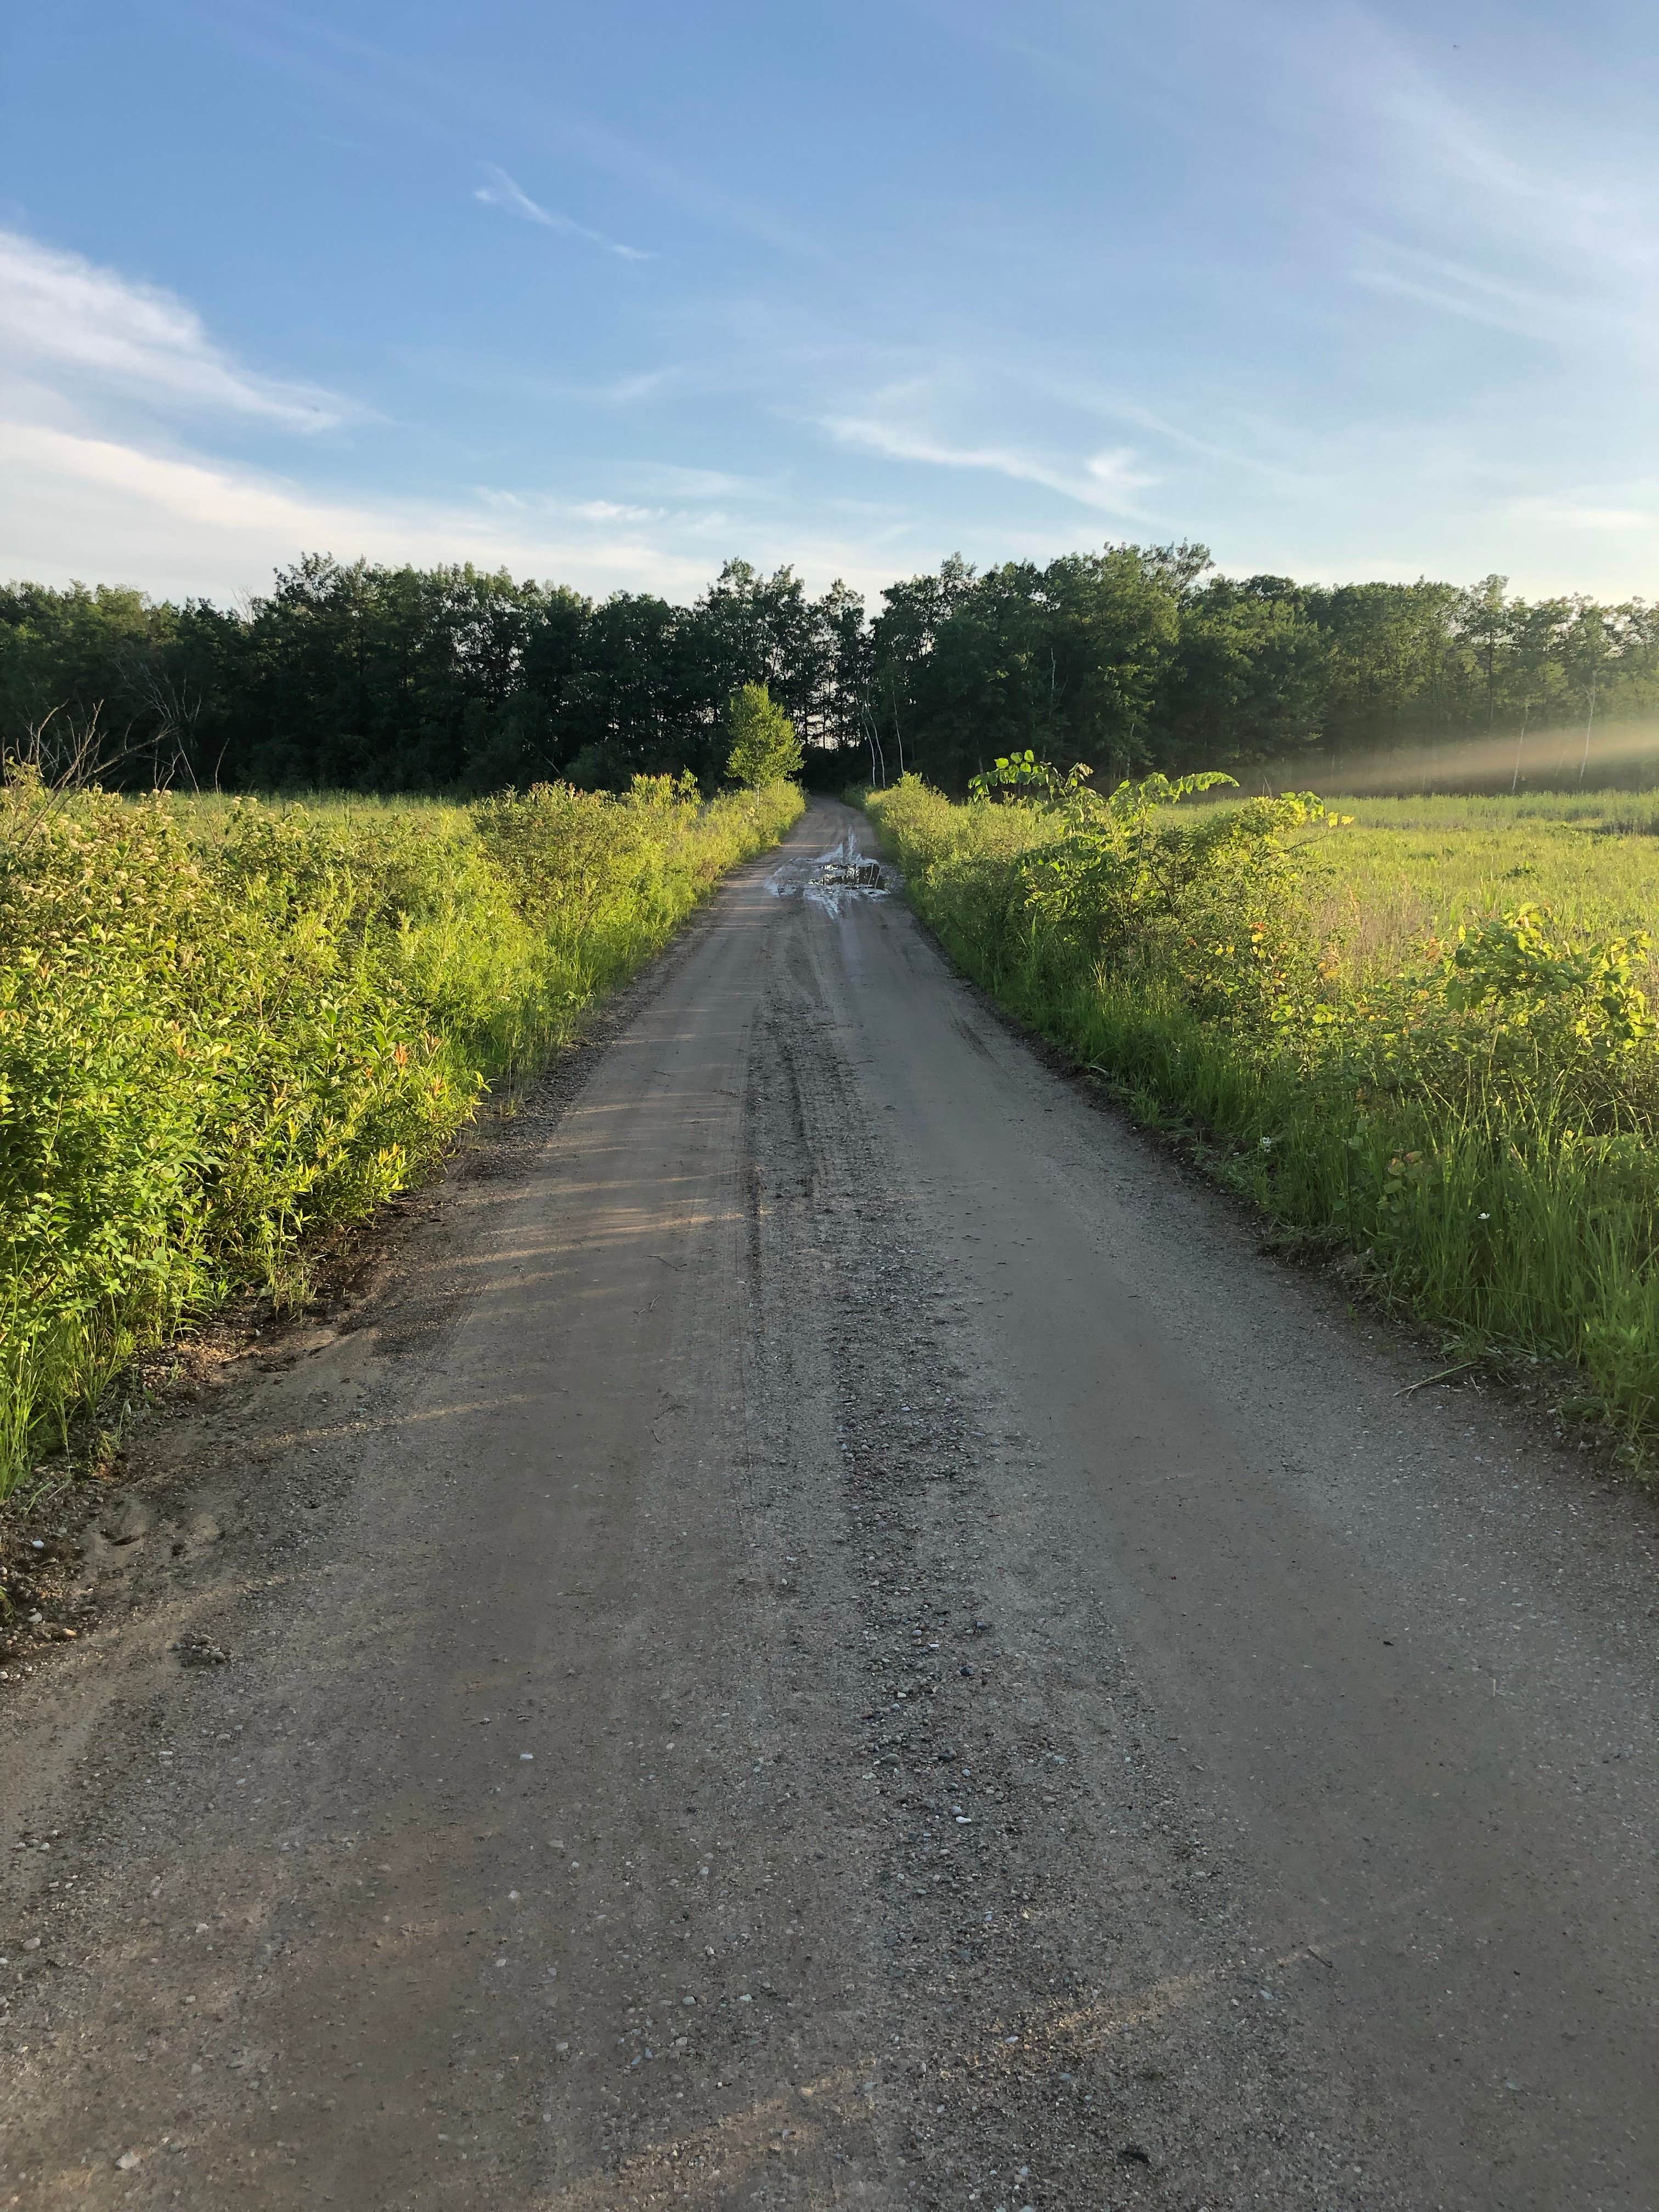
[(1412, 871), (1473, 1115), (223, 1028)]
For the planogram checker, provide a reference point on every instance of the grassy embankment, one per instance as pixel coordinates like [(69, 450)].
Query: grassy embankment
[(1420, 1034), (226, 1027)]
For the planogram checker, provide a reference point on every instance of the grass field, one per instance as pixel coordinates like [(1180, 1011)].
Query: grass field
[(226, 1027), (1422, 1033), (1411, 871)]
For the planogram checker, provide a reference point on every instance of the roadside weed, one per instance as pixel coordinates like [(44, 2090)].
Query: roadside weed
[(224, 1028), (1468, 1101)]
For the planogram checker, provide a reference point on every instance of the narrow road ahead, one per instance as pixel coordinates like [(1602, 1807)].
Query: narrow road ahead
[(839, 1635)]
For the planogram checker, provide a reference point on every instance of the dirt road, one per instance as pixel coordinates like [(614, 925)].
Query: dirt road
[(838, 1634)]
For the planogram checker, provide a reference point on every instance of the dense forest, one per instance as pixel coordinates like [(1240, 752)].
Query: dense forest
[(1133, 657)]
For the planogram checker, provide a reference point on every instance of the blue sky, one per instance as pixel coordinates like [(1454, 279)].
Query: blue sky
[(608, 294)]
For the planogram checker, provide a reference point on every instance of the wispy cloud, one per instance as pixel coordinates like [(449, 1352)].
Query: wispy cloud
[(673, 480), (1077, 390), (1543, 194), (504, 191), (610, 510), (644, 384), (1556, 219), (445, 105), (67, 316), (689, 191), (1575, 514), (1472, 293), (1109, 481)]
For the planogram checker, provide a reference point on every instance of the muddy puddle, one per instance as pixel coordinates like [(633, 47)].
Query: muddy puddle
[(835, 878)]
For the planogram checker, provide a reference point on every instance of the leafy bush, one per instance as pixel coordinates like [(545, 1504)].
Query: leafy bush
[(221, 1029), (764, 746), (1477, 1125)]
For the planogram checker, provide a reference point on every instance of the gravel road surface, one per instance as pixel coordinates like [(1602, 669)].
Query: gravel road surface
[(834, 1633)]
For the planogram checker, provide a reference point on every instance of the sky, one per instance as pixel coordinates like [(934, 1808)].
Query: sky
[(608, 294)]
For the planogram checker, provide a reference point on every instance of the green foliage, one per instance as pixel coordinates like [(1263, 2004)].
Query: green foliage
[(224, 1029), (1126, 659), (1472, 1112), (1511, 964), (1133, 658), (764, 747), (1021, 774), (1212, 899), (353, 676), (1069, 658)]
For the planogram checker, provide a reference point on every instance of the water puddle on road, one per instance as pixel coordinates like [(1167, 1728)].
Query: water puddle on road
[(834, 880)]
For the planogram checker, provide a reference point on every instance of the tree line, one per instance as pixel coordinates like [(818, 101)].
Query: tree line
[(366, 678)]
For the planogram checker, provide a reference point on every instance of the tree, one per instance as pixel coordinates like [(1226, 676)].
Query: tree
[(764, 746), (1126, 659), (1389, 645), (1485, 624), (1248, 677), (1066, 659)]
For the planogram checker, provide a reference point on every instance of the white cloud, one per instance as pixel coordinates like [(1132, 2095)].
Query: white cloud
[(108, 511), (1080, 391), (1109, 481), (182, 525), (1573, 514), (95, 490), (671, 480), (1113, 481), (65, 316), (609, 510), (503, 191)]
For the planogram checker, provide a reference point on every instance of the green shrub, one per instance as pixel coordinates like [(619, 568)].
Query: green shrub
[(1477, 1125), (764, 746), (223, 1028)]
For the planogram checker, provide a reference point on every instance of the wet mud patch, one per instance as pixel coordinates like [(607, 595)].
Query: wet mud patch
[(835, 878), (849, 875)]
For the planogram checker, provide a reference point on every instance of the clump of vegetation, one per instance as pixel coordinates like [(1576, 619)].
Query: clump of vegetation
[(1474, 1118), (223, 1028), (764, 746)]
